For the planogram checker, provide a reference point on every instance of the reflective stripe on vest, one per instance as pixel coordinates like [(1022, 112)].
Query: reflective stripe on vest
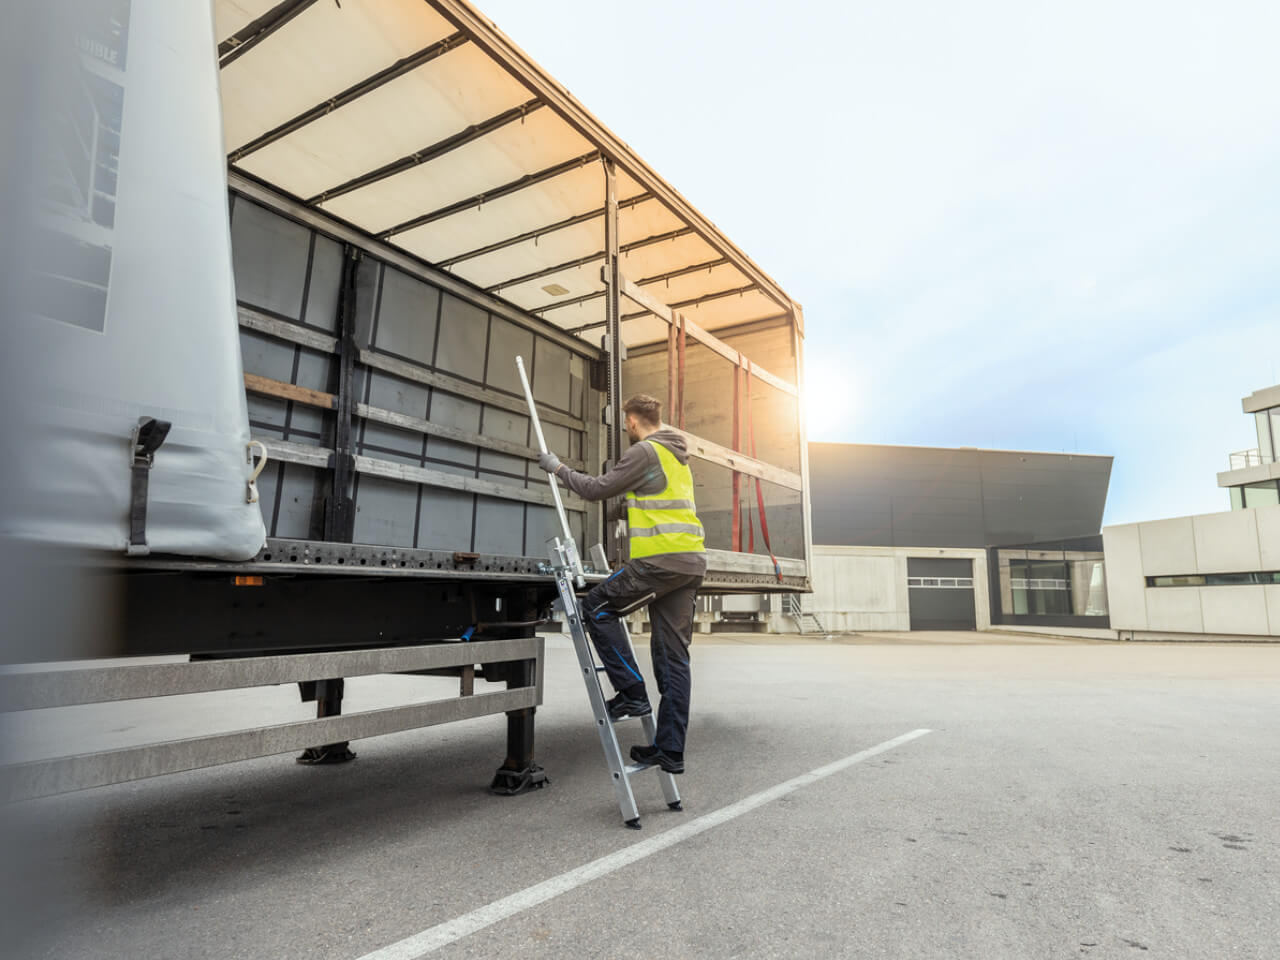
[(666, 522)]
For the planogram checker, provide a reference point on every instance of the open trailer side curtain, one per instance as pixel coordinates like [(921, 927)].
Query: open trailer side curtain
[(659, 309)]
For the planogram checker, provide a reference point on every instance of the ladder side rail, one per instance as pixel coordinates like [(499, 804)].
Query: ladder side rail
[(670, 792), (574, 561), (587, 663)]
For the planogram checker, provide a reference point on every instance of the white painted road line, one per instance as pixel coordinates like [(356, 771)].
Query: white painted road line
[(441, 935)]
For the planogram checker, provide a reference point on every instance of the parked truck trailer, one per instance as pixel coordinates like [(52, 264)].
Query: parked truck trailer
[(285, 255)]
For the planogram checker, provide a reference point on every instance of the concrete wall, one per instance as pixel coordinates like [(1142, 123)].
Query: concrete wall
[(1241, 541), (865, 588)]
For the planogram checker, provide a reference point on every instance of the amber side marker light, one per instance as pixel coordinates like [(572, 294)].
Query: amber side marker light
[(247, 581)]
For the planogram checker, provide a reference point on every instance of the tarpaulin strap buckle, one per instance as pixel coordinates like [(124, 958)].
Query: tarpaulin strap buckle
[(145, 440), (251, 491)]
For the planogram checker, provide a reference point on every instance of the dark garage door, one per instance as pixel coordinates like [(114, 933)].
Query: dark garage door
[(940, 594)]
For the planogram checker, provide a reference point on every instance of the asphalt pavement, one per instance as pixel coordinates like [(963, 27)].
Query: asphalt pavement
[(1071, 799)]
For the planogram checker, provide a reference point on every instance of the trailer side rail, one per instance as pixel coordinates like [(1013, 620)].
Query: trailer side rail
[(58, 688)]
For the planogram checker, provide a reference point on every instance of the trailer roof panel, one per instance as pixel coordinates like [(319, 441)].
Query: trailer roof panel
[(314, 56), (396, 121), (423, 125), (489, 223), (518, 150)]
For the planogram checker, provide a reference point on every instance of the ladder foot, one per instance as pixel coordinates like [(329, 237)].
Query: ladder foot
[(633, 824), (676, 805)]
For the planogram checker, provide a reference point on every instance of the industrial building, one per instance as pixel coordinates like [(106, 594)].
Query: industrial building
[(928, 538), (1214, 576)]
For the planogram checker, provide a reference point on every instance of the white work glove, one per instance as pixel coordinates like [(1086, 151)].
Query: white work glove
[(549, 462)]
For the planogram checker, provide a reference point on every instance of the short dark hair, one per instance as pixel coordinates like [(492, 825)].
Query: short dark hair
[(645, 408)]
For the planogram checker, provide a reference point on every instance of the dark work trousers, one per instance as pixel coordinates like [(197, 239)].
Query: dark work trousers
[(671, 615)]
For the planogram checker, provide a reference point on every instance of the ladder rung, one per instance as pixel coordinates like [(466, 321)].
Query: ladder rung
[(631, 768), (600, 669)]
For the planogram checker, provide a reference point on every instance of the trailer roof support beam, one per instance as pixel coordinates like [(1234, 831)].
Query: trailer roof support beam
[(528, 180), (599, 255), (537, 232), (657, 278), (431, 152), (238, 44), (354, 92)]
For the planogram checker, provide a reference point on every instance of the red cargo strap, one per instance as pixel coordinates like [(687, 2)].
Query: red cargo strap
[(764, 519)]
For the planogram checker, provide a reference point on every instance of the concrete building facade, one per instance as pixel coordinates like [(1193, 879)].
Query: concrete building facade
[(901, 537), (1210, 577), (1254, 477)]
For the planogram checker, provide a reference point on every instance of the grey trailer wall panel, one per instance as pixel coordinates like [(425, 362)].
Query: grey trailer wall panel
[(506, 342), (454, 412), (407, 311), (408, 319), (290, 506), (385, 512), (499, 527), (445, 519), (326, 278), (504, 425), (554, 384), (269, 256), (464, 331)]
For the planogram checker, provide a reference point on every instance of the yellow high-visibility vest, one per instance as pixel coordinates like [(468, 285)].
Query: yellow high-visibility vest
[(665, 522)]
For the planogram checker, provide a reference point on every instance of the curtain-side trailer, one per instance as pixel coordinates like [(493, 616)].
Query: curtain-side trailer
[(268, 366)]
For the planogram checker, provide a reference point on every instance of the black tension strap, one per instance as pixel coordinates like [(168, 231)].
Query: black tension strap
[(147, 437)]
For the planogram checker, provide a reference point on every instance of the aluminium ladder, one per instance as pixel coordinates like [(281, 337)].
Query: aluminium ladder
[(567, 566)]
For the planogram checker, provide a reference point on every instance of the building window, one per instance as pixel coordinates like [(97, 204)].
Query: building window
[(1266, 446), (965, 583), (1216, 579), (1266, 494), (1050, 580)]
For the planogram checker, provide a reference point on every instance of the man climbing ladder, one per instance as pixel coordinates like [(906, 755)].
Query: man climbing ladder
[(667, 563)]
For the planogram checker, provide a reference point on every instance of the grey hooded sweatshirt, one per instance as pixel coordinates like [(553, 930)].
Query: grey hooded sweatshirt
[(639, 470)]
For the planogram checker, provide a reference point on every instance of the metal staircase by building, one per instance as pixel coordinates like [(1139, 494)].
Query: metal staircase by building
[(806, 621)]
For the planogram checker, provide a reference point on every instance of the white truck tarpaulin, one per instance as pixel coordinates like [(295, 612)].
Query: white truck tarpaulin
[(128, 306)]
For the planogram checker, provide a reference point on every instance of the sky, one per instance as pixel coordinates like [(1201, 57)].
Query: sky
[(1011, 225)]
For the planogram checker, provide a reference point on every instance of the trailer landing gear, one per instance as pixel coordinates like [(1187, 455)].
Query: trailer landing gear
[(328, 697), (518, 773), (329, 753), (510, 783)]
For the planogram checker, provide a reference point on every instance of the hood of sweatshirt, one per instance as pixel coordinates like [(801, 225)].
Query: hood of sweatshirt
[(673, 441)]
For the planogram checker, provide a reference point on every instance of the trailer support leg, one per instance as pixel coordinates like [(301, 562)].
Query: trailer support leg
[(328, 697), (519, 773)]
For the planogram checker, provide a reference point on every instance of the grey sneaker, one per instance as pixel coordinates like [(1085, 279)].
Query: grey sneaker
[(621, 707)]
